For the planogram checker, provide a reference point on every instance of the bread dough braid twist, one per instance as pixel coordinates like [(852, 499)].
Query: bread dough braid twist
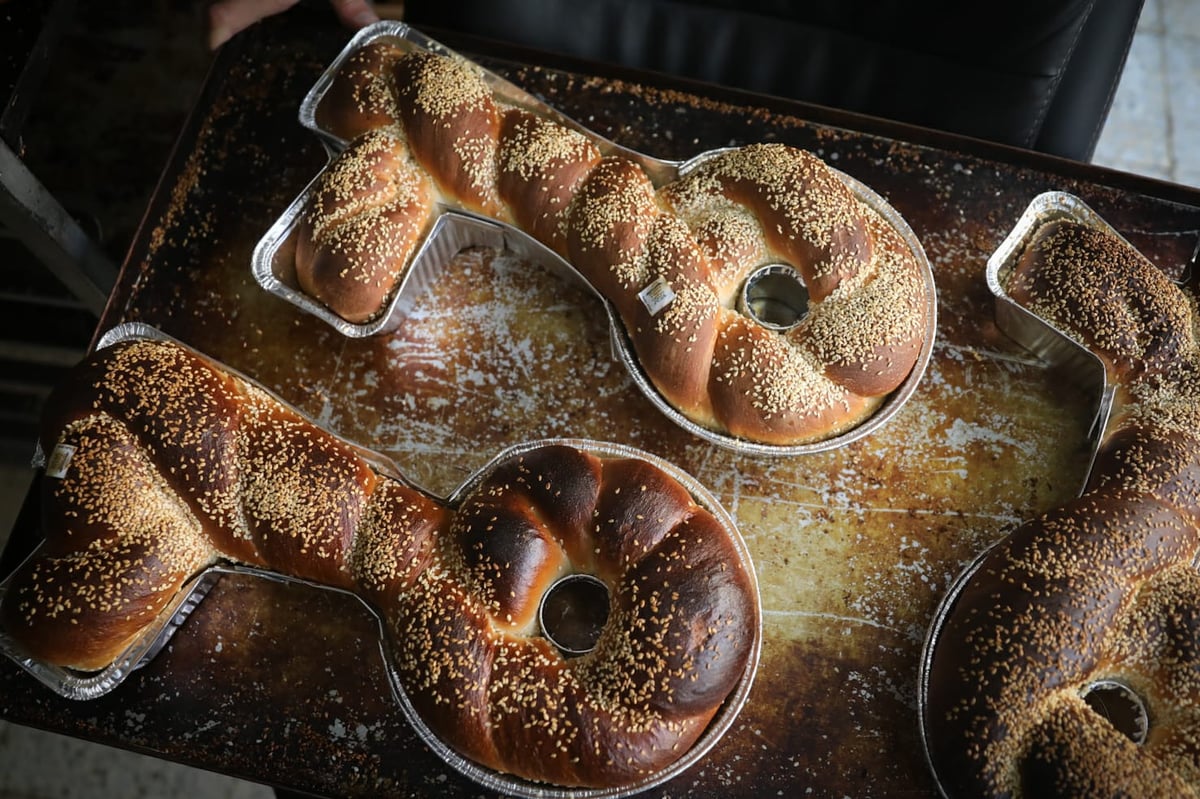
[(179, 464), (429, 133), (1102, 589)]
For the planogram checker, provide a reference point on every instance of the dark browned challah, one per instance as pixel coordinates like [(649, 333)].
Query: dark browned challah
[(1096, 604), (179, 464)]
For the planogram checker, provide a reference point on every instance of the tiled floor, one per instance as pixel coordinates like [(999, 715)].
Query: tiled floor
[(1154, 126), (1154, 130)]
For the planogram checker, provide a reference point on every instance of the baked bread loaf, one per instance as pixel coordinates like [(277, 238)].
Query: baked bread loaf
[(694, 240), (178, 464), (369, 212), (1096, 602)]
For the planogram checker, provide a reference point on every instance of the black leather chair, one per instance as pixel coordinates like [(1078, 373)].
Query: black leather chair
[(1037, 74)]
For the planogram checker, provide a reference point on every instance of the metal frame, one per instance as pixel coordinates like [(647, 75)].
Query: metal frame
[(32, 214)]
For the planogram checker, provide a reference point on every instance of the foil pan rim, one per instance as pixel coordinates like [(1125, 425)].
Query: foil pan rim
[(932, 637)]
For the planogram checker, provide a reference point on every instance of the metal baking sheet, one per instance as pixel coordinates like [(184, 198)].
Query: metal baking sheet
[(854, 547)]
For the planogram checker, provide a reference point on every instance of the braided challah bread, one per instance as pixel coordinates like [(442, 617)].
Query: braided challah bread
[(178, 464), (427, 132), (1092, 607)]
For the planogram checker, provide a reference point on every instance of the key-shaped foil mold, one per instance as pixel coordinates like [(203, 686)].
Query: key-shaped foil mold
[(760, 299), (578, 618), (1064, 660)]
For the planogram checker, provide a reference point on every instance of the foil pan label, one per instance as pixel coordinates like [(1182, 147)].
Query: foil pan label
[(656, 296), (60, 460)]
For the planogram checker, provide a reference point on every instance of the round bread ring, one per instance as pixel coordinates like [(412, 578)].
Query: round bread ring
[(627, 484), (1099, 596), (179, 466), (696, 238)]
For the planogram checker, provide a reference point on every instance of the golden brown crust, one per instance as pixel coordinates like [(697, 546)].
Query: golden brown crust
[(362, 95), (541, 166), (1100, 589), (807, 215), (453, 127), (365, 218), (179, 464), (700, 236)]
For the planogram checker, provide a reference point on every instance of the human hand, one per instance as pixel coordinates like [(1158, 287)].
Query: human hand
[(228, 17)]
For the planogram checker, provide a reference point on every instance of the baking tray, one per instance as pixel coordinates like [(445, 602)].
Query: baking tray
[(854, 547), (73, 684)]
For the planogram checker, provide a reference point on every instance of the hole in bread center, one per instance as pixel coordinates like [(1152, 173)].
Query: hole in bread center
[(572, 613), (1122, 707), (775, 296)]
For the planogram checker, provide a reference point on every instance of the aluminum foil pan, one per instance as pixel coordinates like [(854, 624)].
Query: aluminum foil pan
[(79, 685), (272, 264), (721, 722), (1061, 353), (455, 230), (1044, 340)]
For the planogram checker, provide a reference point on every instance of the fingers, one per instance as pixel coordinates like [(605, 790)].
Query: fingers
[(355, 13), (229, 17)]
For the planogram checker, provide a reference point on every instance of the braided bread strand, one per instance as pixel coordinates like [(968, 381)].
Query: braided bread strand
[(1103, 589), (699, 236), (178, 465)]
